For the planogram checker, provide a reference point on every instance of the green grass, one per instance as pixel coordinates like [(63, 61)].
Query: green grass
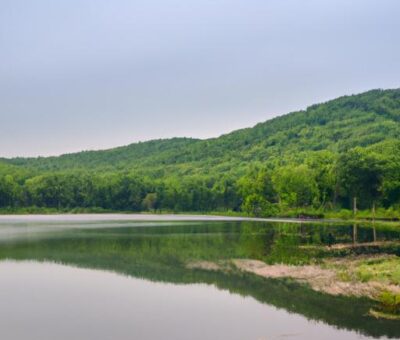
[(384, 269), (390, 303), (381, 270)]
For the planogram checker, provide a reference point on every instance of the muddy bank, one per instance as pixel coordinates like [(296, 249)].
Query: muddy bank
[(335, 277), (324, 278)]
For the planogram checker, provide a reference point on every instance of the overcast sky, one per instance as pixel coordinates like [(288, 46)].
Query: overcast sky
[(81, 74)]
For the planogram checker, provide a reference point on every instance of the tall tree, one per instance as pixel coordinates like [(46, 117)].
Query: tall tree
[(360, 177)]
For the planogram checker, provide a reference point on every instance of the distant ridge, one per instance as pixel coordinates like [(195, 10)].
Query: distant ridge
[(357, 120)]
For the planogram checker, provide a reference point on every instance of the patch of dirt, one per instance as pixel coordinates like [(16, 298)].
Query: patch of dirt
[(323, 278), (356, 259), (282, 270), (340, 246), (320, 279), (361, 245), (205, 265)]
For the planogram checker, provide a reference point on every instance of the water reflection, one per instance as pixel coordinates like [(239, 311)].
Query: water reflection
[(70, 303), (159, 252)]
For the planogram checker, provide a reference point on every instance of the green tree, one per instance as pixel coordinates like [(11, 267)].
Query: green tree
[(150, 201), (296, 186), (254, 204), (360, 177), (9, 191)]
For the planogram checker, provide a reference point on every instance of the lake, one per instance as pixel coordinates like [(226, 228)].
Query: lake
[(130, 277)]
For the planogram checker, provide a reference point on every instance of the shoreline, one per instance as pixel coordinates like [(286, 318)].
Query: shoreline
[(150, 217), (128, 216)]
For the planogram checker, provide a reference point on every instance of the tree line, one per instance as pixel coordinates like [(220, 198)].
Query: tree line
[(360, 178)]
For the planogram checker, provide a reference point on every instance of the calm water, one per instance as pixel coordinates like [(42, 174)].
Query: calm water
[(97, 278)]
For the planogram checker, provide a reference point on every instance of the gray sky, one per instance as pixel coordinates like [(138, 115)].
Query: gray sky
[(91, 74)]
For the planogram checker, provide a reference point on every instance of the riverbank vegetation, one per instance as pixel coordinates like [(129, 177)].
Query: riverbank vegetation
[(337, 159)]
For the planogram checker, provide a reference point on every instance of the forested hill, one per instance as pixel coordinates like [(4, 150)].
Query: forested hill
[(322, 157), (337, 125)]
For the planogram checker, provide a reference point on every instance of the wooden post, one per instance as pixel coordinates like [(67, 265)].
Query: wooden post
[(354, 233), (373, 221), (354, 206), (374, 232), (373, 211)]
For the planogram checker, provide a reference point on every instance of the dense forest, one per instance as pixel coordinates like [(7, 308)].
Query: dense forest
[(340, 156)]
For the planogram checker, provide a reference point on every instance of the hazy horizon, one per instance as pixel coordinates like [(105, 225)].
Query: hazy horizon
[(90, 75)]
